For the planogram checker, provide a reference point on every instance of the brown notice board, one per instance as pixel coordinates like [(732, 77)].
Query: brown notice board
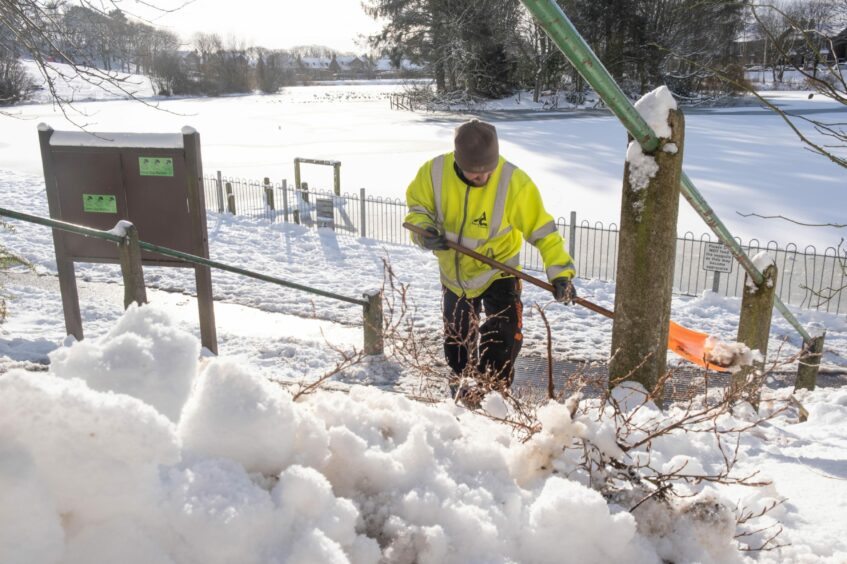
[(153, 180)]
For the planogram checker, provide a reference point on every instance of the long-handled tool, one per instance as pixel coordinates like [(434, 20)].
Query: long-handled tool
[(687, 343)]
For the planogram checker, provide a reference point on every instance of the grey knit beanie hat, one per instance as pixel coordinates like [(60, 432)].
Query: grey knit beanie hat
[(476, 146)]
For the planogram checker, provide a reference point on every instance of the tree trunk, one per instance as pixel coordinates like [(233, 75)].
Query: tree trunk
[(645, 269)]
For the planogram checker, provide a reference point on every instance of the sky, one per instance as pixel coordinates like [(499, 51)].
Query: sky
[(338, 24)]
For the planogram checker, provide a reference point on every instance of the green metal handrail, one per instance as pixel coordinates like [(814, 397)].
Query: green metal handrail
[(563, 33), (115, 238)]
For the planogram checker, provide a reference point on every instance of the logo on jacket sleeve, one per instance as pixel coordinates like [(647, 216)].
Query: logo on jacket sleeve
[(481, 221)]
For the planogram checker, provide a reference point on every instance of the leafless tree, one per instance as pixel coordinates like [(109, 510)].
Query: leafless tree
[(77, 36)]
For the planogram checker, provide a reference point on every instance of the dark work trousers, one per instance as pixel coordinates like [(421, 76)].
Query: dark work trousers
[(490, 345)]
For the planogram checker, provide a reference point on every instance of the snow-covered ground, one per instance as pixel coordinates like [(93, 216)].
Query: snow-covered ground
[(133, 446), (742, 159), (131, 449), (67, 82)]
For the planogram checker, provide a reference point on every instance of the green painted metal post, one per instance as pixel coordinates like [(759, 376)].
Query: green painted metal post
[(563, 33)]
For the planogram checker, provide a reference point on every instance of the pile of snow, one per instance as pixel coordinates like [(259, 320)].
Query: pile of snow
[(92, 471)]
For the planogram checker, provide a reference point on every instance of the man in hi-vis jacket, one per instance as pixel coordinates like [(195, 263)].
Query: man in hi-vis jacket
[(474, 197)]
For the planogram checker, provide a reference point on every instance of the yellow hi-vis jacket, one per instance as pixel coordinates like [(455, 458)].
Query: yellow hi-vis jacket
[(489, 219)]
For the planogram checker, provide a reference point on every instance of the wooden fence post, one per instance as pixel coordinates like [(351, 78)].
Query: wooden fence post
[(130, 258), (810, 361), (373, 323), (296, 173), (754, 328), (230, 199), (645, 265), (336, 178), (269, 193)]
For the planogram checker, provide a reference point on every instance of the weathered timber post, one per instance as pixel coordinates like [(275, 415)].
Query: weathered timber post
[(219, 192), (336, 178), (810, 361), (130, 258), (754, 328), (649, 211), (296, 173), (285, 200), (269, 193), (373, 323), (230, 199)]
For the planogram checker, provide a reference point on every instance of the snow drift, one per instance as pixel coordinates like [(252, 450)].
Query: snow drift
[(106, 458)]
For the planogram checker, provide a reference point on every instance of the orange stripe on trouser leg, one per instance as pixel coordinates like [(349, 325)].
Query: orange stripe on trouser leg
[(519, 310)]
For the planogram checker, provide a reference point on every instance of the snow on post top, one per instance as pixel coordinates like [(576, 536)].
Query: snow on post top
[(763, 260), (654, 107), (121, 228), (99, 139)]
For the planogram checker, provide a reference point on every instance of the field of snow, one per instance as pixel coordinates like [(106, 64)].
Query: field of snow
[(72, 88), (135, 446), (742, 159)]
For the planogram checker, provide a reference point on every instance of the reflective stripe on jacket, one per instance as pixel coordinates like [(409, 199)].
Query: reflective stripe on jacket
[(489, 219)]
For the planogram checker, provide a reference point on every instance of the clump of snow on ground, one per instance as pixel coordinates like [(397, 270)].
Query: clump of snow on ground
[(250, 475), (143, 356), (730, 355), (228, 404)]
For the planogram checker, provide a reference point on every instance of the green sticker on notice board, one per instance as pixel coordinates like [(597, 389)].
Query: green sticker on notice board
[(156, 166), (99, 203)]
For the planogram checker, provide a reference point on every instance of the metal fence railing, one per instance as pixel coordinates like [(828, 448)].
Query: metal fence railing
[(806, 278)]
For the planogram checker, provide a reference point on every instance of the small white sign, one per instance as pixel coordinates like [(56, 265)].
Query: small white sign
[(717, 258)]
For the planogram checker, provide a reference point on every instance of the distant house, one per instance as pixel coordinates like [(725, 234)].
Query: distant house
[(346, 67), (385, 68), (315, 68), (839, 46), (797, 51), (351, 66)]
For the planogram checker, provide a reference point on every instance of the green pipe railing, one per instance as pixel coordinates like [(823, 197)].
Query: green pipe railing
[(115, 238), (566, 37)]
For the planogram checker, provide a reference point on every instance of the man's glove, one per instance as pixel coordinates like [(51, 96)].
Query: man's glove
[(435, 241), (564, 290)]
